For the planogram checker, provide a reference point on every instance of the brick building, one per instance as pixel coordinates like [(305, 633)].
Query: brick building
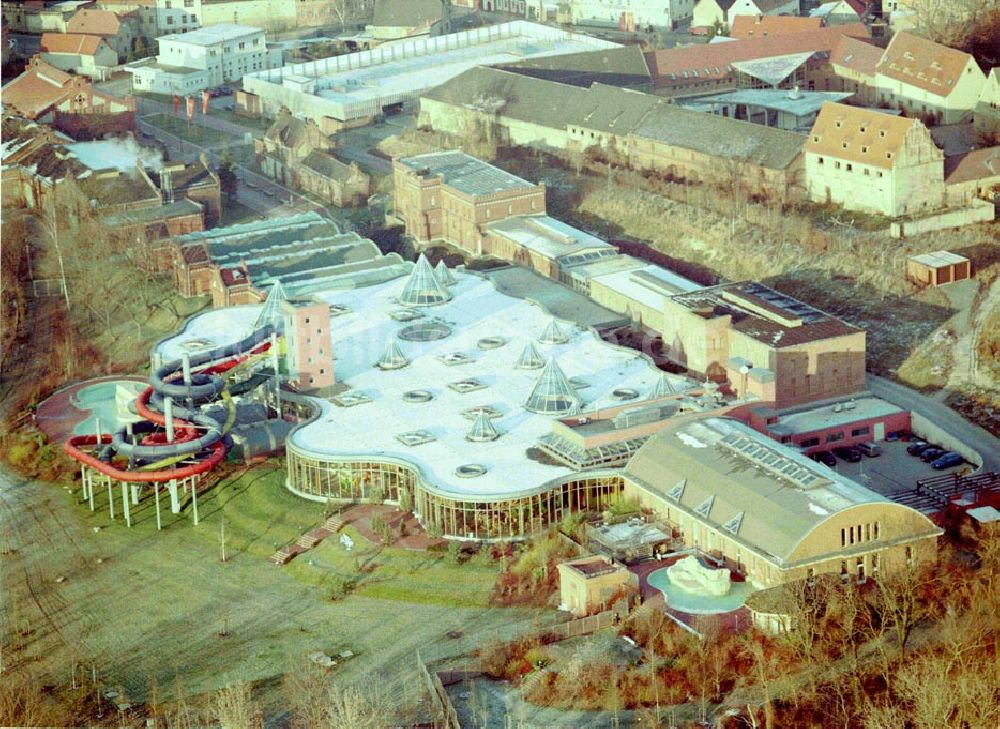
[(764, 344), (43, 90), (452, 196), (298, 154)]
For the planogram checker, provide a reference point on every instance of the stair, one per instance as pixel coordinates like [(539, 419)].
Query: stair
[(282, 557), (333, 524), (308, 540)]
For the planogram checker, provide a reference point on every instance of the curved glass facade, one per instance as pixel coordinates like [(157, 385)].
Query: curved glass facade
[(468, 518)]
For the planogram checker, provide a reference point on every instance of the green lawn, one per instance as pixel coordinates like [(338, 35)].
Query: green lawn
[(196, 133), (244, 121)]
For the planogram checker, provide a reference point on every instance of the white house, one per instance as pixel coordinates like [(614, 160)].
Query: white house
[(928, 80), (709, 12), (632, 15), (213, 55)]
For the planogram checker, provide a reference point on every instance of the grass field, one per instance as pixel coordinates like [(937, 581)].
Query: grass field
[(234, 212), (189, 132), (147, 607)]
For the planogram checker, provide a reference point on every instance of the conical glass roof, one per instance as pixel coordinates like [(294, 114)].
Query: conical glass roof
[(443, 274), (552, 393), (271, 313), (663, 388), (530, 359), (482, 429), (423, 288), (392, 358), (553, 334)]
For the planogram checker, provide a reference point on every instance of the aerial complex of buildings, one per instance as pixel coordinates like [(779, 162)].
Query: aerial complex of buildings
[(498, 395)]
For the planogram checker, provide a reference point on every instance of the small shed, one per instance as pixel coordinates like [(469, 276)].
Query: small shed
[(937, 268)]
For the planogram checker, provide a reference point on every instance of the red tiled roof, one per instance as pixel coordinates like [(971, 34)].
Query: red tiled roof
[(94, 22), (858, 135), (38, 88), (84, 45), (753, 26), (980, 164), (922, 63), (712, 61), (856, 55)]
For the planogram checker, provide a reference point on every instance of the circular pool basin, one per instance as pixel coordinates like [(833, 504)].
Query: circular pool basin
[(694, 604)]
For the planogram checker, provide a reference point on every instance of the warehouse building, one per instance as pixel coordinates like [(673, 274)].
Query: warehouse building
[(770, 512)]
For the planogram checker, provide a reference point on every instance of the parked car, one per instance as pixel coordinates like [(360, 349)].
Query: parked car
[(870, 449), (824, 457), (932, 454), (699, 30), (949, 459), (915, 449), (848, 453)]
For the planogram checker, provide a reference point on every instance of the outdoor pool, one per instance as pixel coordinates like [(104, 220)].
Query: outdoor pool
[(687, 602), (99, 399)]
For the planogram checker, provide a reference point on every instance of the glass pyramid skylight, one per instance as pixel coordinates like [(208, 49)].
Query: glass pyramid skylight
[(553, 334), (663, 388), (443, 274), (423, 288), (392, 358), (482, 430), (271, 313), (530, 359), (552, 393)]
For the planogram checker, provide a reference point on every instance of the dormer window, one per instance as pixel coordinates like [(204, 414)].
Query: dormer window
[(843, 145), (840, 123), (888, 155), (881, 133), (864, 150), (863, 128), (935, 65)]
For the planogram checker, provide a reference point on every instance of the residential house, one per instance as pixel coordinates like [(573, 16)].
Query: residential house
[(759, 26), (874, 162), (938, 84), (774, 61), (764, 344), (453, 196), (87, 55), (393, 20), (140, 14), (37, 17), (118, 32), (43, 92), (298, 154), (707, 13), (631, 15), (854, 62), (973, 175), (200, 59), (841, 12), (987, 113)]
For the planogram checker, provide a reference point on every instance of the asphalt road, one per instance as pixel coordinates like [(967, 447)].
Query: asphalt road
[(975, 437)]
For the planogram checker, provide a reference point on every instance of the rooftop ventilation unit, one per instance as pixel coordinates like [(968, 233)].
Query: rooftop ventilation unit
[(416, 437), (470, 384), (455, 358), (350, 399)]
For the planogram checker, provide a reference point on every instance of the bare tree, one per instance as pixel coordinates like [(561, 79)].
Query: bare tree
[(234, 707)]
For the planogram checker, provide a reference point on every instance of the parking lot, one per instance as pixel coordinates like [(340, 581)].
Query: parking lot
[(894, 471)]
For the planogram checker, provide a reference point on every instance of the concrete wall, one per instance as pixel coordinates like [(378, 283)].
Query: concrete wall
[(979, 211), (933, 433)]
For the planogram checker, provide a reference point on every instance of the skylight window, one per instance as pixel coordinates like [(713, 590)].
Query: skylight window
[(677, 491), (733, 525), (705, 506)]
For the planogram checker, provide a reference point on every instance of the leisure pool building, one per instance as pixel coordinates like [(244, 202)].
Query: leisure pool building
[(496, 420)]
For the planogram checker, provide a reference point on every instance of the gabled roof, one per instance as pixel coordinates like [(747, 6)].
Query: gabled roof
[(623, 67), (94, 22), (922, 63), (84, 45), (327, 165), (752, 26), (857, 55), (41, 86), (681, 66), (980, 164), (406, 13), (858, 135)]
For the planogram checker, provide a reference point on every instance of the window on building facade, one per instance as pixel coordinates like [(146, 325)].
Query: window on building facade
[(834, 437), (850, 167), (865, 430), (170, 20), (809, 442)]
